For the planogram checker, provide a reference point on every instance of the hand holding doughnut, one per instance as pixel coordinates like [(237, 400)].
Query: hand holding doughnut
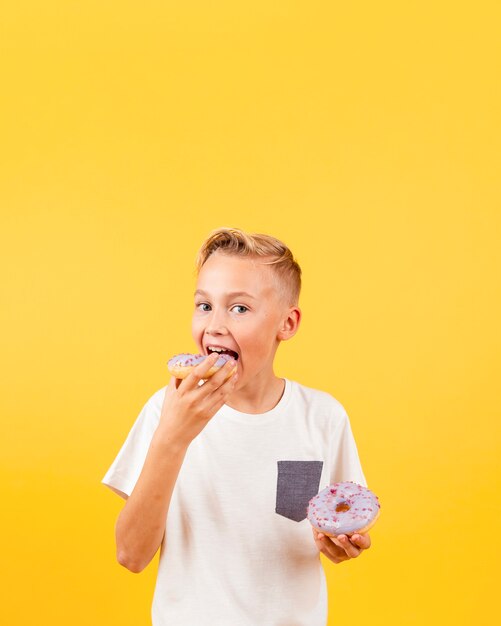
[(188, 405), (340, 516), (341, 548)]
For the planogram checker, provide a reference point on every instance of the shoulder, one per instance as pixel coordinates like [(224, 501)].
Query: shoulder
[(319, 402), (156, 400), (149, 415)]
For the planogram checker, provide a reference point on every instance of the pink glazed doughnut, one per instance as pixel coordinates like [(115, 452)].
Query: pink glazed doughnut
[(343, 509), (181, 365)]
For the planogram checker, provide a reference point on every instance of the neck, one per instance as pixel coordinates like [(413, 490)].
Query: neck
[(260, 395)]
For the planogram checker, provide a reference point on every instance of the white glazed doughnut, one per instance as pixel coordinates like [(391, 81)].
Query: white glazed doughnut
[(181, 365), (343, 509)]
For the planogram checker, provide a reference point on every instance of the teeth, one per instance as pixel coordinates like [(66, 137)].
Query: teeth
[(211, 349)]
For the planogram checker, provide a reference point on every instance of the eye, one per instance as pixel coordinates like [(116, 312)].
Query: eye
[(203, 304), (240, 306)]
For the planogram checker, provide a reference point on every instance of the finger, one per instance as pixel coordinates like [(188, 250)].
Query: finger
[(361, 541), (173, 384), (351, 550), (198, 372), (169, 389), (317, 534), (222, 373), (319, 540), (221, 393), (317, 537), (329, 549), (217, 379)]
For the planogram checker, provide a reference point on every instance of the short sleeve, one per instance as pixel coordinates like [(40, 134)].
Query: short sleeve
[(123, 473), (346, 463)]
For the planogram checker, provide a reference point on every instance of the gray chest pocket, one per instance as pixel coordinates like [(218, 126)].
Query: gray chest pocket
[(297, 483)]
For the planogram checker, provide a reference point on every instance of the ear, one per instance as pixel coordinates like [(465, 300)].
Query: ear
[(289, 324)]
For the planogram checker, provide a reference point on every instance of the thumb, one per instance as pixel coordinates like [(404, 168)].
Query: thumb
[(171, 386), (169, 390), (174, 383)]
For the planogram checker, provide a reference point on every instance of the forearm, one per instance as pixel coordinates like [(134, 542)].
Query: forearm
[(141, 524)]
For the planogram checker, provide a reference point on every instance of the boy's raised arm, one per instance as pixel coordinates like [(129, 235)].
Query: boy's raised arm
[(186, 410)]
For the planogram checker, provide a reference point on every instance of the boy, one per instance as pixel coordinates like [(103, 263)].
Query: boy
[(218, 474)]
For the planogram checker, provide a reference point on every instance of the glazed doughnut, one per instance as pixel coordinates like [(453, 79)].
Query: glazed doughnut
[(181, 365), (343, 509)]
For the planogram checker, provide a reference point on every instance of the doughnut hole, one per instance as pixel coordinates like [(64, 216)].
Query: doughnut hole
[(342, 507)]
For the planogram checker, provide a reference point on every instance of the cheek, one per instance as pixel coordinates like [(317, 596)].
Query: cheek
[(195, 329)]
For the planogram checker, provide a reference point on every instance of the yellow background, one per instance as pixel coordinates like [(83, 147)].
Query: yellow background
[(366, 136)]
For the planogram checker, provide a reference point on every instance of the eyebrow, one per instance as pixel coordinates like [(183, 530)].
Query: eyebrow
[(233, 294)]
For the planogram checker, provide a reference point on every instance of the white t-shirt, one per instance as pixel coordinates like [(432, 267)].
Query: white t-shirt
[(238, 548)]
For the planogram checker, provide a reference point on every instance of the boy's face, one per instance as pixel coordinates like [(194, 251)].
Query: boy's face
[(249, 323)]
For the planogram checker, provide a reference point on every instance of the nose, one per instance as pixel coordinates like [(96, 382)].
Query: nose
[(215, 325), (215, 330)]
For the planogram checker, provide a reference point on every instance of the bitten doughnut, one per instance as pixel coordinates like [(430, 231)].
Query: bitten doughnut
[(181, 365), (343, 509)]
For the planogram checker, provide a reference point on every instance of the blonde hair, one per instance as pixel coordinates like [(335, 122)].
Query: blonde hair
[(236, 242)]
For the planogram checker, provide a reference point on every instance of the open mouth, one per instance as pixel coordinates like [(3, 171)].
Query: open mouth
[(231, 353)]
